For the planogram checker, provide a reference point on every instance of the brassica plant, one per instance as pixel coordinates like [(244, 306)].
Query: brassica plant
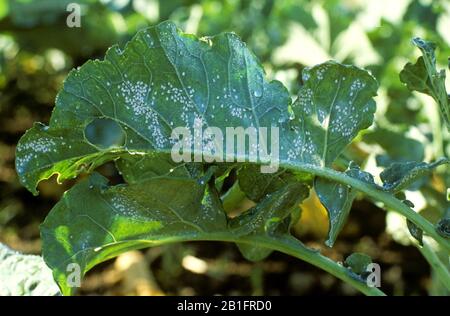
[(125, 108)]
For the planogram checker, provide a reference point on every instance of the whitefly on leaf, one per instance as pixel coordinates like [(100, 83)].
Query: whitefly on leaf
[(161, 80)]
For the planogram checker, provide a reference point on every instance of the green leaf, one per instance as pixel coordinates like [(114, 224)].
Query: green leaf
[(358, 262), (233, 198), (163, 79), (415, 231), (94, 221), (443, 227), (416, 77), (338, 199), (332, 112), (24, 275), (425, 78), (272, 216), (334, 104), (399, 176), (257, 185)]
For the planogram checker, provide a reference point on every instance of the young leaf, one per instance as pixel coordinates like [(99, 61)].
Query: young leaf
[(135, 168), (425, 78), (333, 106), (338, 199), (331, 113), (233, 198), (398, 176), (415, 231), (358, 262), (443, 227)]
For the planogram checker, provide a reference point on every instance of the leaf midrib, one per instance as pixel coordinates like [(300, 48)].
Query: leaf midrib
[(325, 142)]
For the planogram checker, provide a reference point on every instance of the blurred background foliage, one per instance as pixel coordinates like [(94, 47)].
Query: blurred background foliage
[(38, 49)]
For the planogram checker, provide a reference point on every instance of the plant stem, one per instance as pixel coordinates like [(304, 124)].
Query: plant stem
[(295, 248), (285, 244), (437, 265), (371, 191)]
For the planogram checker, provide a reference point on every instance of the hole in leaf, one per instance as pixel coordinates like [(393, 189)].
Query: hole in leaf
[(104, 133), (109, 170)]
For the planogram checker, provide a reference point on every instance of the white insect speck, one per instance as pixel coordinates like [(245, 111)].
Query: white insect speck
[(42, 145), (135, 97), (305, 100), (236, 111), (126, 207), (305, 74)]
